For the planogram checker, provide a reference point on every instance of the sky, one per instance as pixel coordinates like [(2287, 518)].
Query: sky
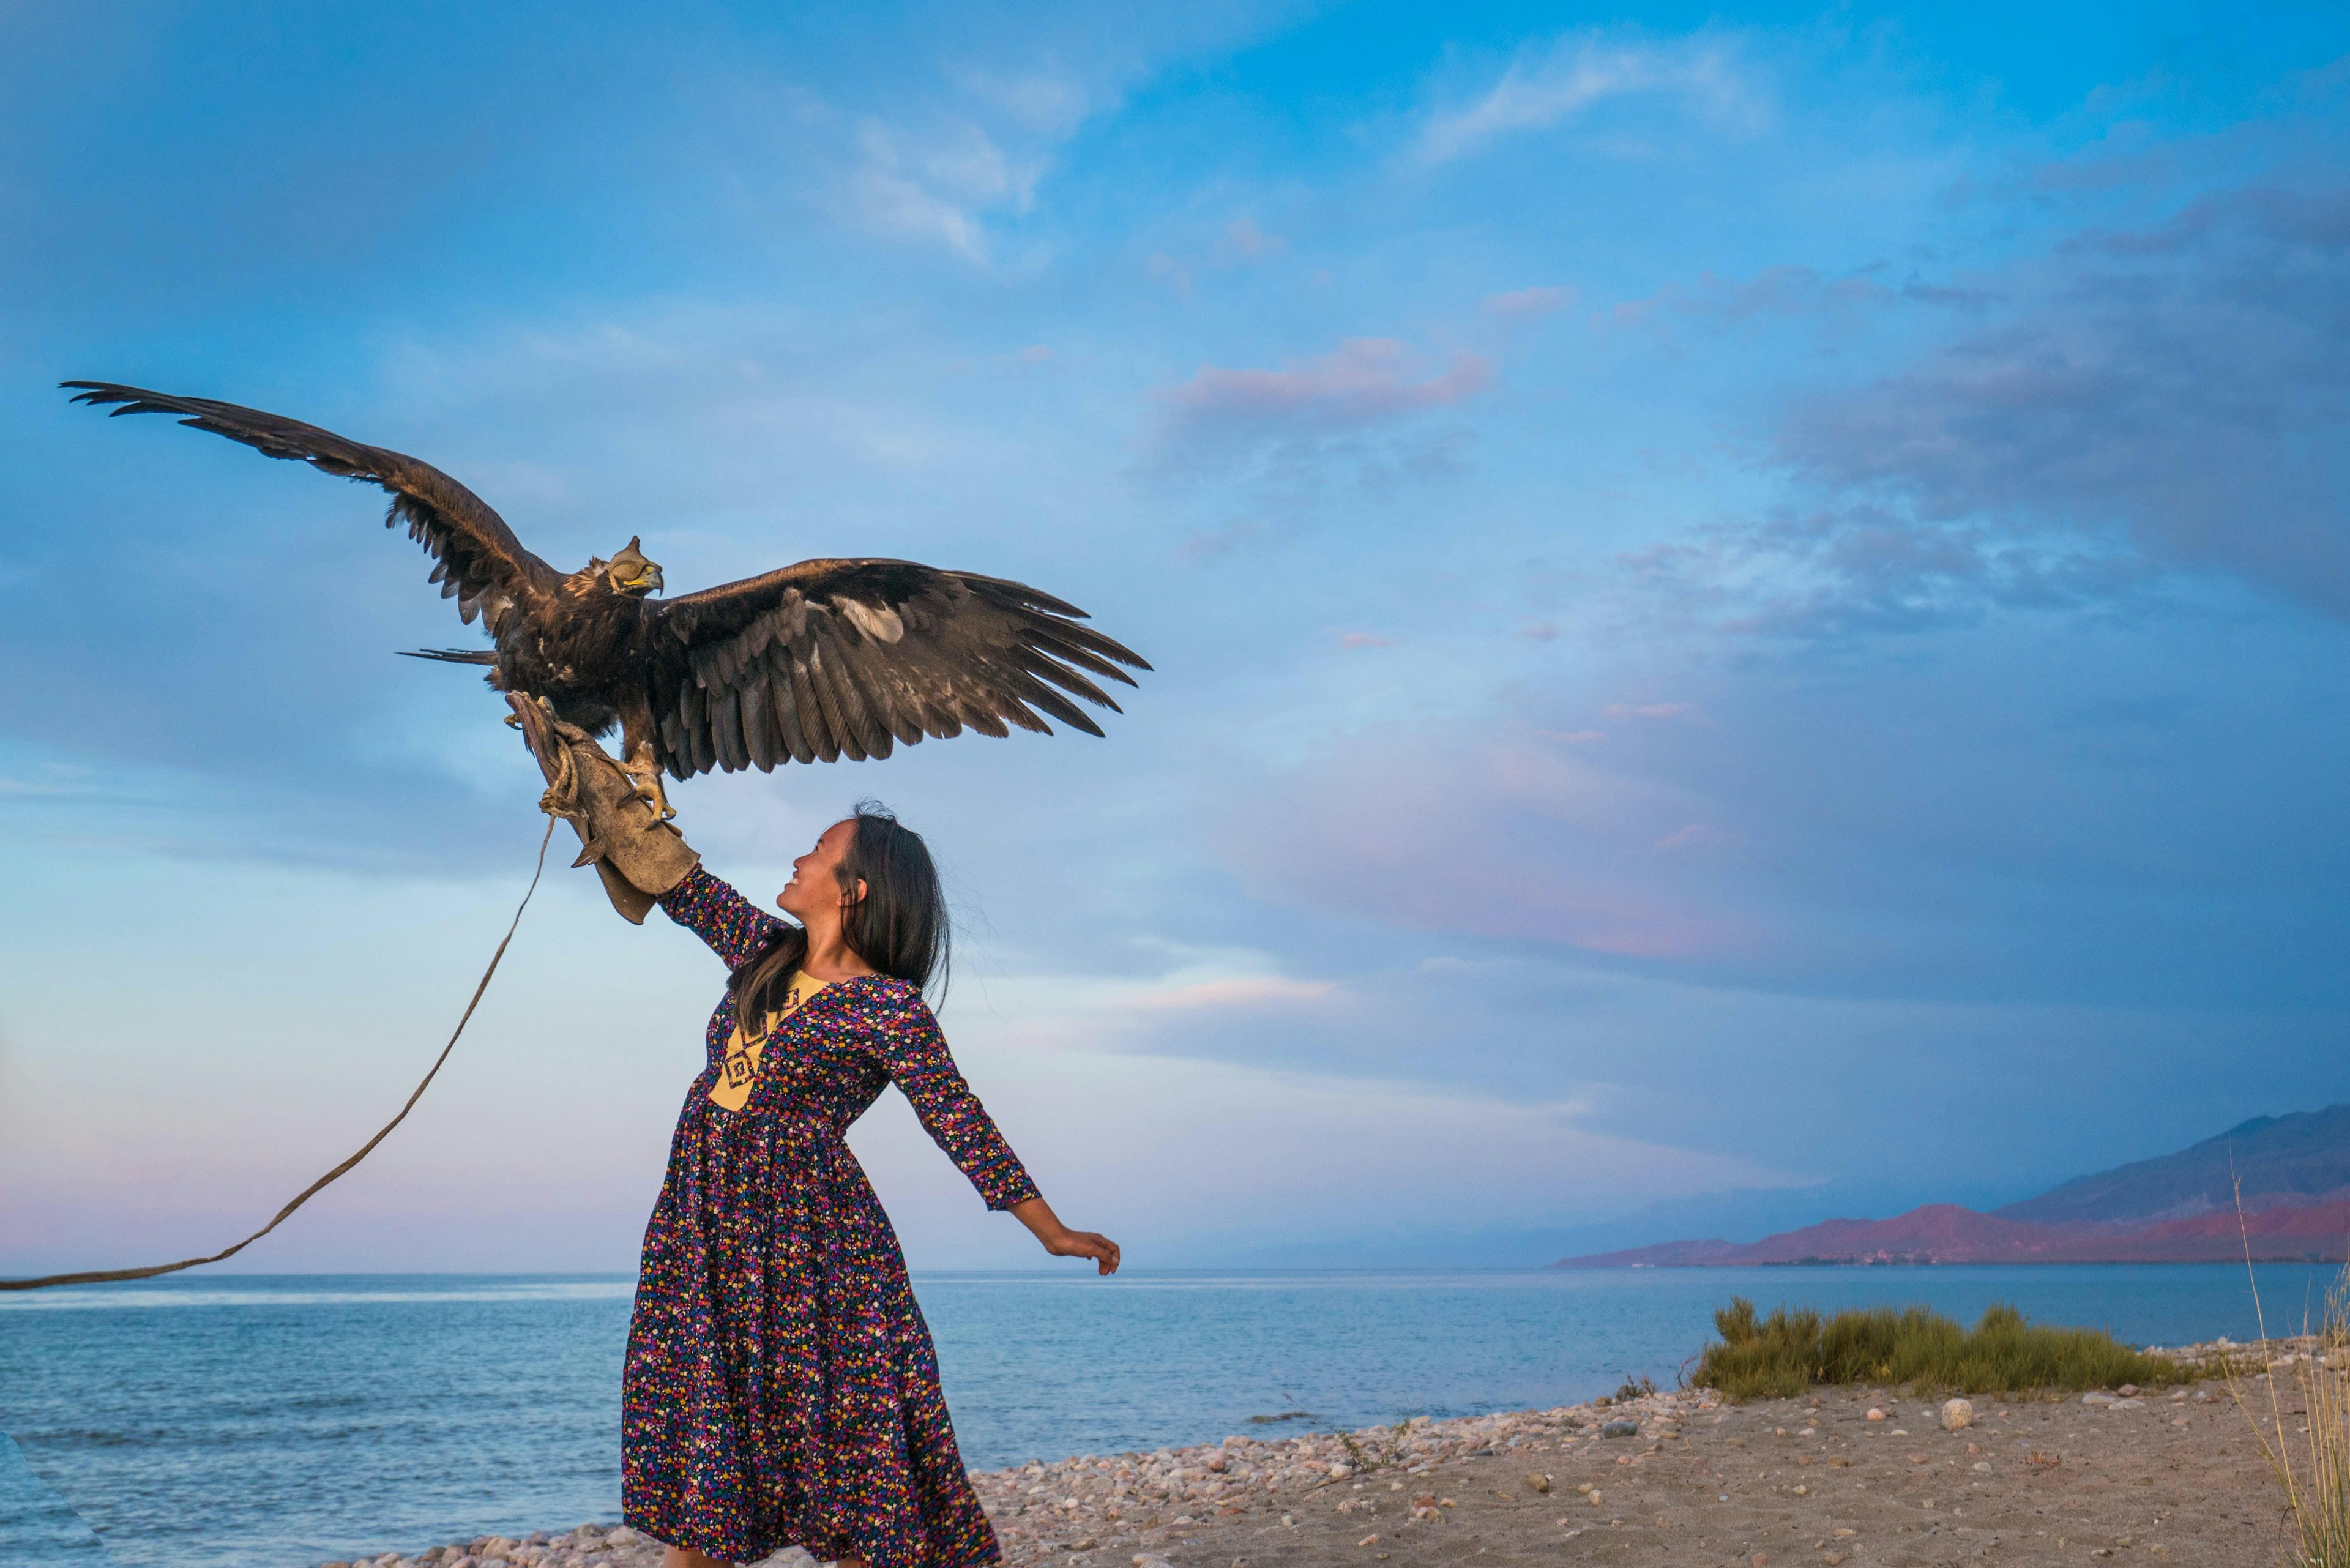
[(1748, 606)]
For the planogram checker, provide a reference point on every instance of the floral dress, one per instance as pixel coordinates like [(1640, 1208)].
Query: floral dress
[(780, 1386)]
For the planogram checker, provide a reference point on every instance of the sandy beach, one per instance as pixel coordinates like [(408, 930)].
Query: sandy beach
[(1667, 1478)]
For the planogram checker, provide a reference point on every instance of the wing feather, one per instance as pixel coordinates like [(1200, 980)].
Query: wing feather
[(854, 657), (477, 560)]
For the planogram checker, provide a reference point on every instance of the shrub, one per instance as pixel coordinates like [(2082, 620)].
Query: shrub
[(1781, 1355)]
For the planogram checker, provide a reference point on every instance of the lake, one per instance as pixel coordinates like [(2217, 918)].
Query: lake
[(289, 1420)]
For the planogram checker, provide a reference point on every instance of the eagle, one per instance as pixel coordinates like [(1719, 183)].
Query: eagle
[(826, 659)]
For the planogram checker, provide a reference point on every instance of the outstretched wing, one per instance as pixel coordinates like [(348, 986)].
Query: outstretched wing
[(833, 659), (482, 565)]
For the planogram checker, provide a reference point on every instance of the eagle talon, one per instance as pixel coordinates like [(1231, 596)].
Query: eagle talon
[(644, 772)]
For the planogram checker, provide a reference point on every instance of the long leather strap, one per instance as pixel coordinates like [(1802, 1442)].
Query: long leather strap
[(105, 1276)]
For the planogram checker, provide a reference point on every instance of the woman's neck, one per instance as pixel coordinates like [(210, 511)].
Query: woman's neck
[(829, 957)]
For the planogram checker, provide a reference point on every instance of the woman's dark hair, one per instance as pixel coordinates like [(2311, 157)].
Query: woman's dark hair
[(900, 927)]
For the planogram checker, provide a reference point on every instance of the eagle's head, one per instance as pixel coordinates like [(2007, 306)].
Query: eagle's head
[(629, 572)]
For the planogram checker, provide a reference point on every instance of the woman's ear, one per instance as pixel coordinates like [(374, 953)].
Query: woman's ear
[(856, 897)]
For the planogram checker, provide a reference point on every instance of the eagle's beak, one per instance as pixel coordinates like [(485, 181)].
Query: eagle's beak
[(650, 580)]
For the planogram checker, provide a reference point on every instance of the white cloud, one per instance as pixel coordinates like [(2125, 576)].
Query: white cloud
[(940, 189), (1547, 84)]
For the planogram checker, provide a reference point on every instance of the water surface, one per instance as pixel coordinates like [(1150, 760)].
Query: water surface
[(293, 1420)]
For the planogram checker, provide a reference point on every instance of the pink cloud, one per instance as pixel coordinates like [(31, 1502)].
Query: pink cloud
[(1241, 991), (1696, 836), (1364, 640), (1244, 238), (1366, 380), (1647, 710), (1526, 303), (1446, 830)]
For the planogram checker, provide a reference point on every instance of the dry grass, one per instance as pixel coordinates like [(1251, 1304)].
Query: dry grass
[(2314, 1471), (1781, 1356)]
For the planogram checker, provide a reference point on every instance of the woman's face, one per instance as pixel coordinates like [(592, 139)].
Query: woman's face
[(815, 888)]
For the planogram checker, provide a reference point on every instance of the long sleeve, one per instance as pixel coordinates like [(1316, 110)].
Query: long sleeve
[(914, 1051), (734, 927)]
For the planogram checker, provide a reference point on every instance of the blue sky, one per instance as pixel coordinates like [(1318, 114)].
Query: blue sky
[(1749, 605)]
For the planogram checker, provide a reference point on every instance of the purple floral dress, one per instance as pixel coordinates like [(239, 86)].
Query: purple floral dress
[(780, 1387)]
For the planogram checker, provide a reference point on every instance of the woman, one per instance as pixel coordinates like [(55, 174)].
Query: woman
[(780, 1386)]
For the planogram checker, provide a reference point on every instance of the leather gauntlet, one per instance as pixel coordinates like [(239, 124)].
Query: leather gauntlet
[(638, 855)]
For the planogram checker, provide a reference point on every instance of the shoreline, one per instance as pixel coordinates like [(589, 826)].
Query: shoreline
[(1411, 1490)]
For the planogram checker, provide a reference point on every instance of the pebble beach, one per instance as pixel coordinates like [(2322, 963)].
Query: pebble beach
[(1859, 1476)]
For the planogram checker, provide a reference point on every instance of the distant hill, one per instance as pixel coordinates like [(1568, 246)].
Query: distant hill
[(2295, 1175), (2301, 1158)]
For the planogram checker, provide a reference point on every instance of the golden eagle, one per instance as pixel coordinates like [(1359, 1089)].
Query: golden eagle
[(812, 662)]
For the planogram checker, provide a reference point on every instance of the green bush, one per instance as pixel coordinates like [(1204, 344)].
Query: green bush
[(1781, 1356)]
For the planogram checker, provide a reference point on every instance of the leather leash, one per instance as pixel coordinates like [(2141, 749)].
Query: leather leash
[(105, 1276)]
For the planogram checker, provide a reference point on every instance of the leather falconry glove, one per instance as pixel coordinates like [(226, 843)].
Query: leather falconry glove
[(638, 856)]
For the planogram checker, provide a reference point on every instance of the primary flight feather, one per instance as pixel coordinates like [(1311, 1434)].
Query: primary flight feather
[(808, 663)]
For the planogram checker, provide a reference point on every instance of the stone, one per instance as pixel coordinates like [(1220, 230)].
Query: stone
[(1539, 1484), (2127, 1389), (1876, 1415), (2097, 1397), (621, 1535), (1958, 1414)]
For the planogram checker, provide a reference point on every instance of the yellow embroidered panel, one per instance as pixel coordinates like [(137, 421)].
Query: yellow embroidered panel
[(739, 1069)]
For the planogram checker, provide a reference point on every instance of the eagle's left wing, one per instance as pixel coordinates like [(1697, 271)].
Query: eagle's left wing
[(482, 565), (832, 658)]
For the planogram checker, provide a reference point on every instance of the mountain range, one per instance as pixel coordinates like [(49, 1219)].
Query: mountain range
[(2293, 1173)]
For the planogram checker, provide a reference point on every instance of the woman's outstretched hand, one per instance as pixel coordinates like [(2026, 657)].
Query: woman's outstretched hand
[(1062, 1241)]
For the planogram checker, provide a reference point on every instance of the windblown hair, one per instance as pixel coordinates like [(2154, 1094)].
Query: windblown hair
[(900, 927)]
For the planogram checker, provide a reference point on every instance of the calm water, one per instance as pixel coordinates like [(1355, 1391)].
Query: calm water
[(289, 1420)]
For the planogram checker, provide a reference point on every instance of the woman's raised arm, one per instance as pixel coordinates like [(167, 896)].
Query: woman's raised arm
[(735, 927)]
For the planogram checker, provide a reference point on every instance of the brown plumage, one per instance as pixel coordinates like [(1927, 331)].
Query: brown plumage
[(826, 659)]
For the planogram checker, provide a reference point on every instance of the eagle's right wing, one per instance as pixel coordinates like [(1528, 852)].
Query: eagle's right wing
[(482, 565), (832, 658)]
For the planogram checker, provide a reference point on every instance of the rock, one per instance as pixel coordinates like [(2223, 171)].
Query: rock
[(621, 1535), (2097, 1397), (1150, 1560), (1338, 1471), (1876, 1415), (1539, 1484), (2127, 1389), (1982, 1466), (1958, 1414), (1620, 1429)]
